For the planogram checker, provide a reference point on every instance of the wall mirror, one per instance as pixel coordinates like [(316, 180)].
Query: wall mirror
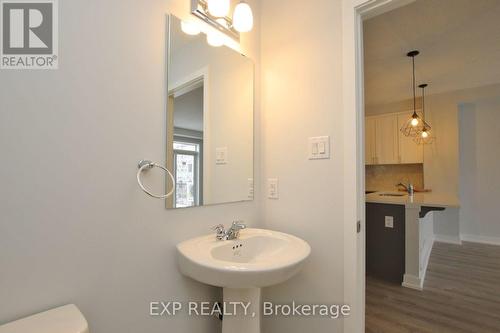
[(210, 114)]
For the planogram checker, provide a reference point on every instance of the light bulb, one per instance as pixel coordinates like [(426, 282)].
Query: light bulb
[(243, 17), (414, 122), (190, 28), (218, 8), (425, 134), (215, 39)]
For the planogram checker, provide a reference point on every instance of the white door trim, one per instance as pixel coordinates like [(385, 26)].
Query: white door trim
[(353, 13)]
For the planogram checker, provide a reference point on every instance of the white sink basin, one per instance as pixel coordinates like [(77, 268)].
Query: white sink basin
[(259, 258)]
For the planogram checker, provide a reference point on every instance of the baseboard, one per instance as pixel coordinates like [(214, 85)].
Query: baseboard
[(413, 282), (448, 239), (481, 239)]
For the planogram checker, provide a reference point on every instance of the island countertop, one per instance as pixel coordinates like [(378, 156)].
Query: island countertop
[(429, 199)]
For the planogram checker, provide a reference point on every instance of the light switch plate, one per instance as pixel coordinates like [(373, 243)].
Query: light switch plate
[(389, 222), (319, 148), (221, 155), (273, 188)]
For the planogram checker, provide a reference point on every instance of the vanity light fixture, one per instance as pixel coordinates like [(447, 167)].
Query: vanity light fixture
[(216, 13), (215, 39), (190, 28), (218, 8), (243, 17), (424, 137), (415, 125)]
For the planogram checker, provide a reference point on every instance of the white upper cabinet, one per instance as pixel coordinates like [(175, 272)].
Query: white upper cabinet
[(370, 136), (409, 151), (386, 140), (386, 144)]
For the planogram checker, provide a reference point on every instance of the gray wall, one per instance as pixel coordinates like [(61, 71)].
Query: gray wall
[(74, 226)]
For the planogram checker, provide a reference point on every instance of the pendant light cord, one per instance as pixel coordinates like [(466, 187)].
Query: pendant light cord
[(414, 88), (423, 103)]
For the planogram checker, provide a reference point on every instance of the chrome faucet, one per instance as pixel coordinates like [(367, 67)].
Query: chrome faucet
[(408, 188), (233, 233)]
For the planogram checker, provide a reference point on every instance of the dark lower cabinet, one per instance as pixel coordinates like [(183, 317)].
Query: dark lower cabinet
[(385, 247)]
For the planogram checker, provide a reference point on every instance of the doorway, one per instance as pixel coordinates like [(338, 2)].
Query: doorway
[(448, 233)]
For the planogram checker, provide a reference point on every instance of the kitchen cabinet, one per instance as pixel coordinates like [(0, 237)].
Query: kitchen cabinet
[(386, 139), (385, 244), (370, 154), (386, 144)]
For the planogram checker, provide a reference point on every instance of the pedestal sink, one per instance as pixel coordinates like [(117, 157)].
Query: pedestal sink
[(259, 258)]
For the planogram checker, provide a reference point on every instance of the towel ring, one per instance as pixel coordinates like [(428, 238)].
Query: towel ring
[(145, 164)]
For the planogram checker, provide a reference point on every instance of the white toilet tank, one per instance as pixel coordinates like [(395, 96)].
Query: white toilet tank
[(66, 319)]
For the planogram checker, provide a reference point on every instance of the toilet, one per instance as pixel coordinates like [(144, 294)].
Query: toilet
[(65, 319)]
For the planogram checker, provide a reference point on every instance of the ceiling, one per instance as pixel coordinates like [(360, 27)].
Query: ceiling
[(458, 40)]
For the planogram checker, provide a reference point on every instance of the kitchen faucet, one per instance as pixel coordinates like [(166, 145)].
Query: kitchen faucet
[(408, 188), (231, 234)]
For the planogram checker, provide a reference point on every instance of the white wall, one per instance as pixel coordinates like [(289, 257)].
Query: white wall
[(301, 61), (480, 170), (74, 226)]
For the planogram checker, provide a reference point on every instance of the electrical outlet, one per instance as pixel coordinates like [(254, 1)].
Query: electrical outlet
[(221, 156), (389, 222), (272, 188)]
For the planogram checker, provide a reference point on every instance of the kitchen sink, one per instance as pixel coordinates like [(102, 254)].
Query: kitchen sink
[(392, 195)]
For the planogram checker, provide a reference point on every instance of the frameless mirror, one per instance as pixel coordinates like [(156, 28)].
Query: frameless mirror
[(210, 113)]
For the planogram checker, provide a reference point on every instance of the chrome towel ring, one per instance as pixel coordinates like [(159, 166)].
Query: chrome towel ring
[(145, 164)]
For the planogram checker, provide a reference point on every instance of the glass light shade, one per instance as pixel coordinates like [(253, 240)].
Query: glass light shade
[(243, 17), (424, 138), (218, 8), (190, 28), (215, 39)]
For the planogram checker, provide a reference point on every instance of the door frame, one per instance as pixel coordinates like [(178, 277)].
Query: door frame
[(200, 76), (353, 14)]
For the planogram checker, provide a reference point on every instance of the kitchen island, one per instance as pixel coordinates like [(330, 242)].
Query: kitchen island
[(416, 234)]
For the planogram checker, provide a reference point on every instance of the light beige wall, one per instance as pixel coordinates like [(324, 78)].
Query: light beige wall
[(441, 159), (385, 177), (302, 97)]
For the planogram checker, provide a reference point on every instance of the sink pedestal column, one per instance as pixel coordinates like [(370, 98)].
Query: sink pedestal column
[(241, 322)]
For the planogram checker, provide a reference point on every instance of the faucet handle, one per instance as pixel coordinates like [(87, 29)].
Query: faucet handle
[(220, 231), (218, 228)]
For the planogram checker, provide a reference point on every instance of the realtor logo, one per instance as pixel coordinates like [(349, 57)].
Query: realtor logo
[(29, 34)]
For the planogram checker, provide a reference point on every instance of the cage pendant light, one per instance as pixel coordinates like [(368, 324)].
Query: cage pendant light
[(415, 124), (424, 137)]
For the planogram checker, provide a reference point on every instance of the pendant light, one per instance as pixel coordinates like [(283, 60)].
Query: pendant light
[(415, 124), (424, 137)]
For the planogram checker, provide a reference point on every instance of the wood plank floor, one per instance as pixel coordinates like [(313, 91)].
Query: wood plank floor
[(461, 294)]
